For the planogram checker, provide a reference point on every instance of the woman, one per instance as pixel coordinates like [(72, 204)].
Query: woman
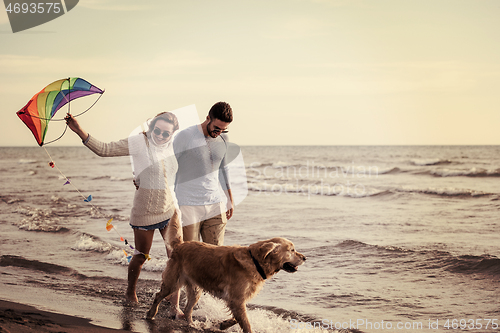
[(154, 204)]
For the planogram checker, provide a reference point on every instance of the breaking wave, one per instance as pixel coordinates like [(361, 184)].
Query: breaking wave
[(426, 258)]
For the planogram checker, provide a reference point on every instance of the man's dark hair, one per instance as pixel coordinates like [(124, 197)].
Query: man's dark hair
[(221, 111)]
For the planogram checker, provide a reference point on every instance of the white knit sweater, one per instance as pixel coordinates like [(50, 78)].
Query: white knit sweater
[(155, 167)]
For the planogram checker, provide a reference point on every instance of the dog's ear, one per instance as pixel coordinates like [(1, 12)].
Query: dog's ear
[(267, 248)]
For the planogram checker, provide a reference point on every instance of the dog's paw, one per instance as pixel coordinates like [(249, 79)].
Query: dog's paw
[(227, 323)]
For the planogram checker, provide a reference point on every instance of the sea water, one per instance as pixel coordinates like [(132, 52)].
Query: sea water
[(397, 238)]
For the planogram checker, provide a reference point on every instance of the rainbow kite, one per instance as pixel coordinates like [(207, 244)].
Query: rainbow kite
[(39, 112), (44, 105)]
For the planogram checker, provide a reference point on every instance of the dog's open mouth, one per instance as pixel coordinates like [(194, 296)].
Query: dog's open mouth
[(289, 267)]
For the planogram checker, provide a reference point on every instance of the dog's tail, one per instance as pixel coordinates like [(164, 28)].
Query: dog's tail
[(174, 231)]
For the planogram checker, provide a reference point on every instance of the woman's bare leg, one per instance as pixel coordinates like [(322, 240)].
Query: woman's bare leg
[(143, 240)]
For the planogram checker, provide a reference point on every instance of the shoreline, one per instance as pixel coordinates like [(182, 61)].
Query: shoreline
[(17, 317)]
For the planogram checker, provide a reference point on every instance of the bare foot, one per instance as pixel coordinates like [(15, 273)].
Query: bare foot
[(131, 298)]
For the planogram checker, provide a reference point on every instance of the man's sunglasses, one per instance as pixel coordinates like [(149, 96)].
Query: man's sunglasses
[(217, 129)]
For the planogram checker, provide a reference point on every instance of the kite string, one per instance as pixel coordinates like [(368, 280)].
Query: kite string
[(66, 178), (46, 143), (52, 164), (77, 115)]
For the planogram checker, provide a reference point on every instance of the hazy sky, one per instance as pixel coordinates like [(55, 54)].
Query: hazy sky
[(296, 72)]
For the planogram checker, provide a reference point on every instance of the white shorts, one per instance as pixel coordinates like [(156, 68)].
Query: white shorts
[(205, 222), (195, 214)]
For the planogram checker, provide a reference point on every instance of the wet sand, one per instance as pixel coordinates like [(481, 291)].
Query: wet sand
[(15, 317), (20, 318), (33, 301)]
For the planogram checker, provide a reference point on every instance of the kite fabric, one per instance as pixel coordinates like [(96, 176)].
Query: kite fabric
[(44, 105)]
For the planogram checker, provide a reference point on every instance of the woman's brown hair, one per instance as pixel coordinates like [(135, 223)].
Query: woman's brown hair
[(168, 117)]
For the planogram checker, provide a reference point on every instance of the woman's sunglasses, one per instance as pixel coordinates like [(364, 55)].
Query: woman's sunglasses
[(165, 134)]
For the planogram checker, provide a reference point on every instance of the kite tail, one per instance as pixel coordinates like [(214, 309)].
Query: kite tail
[(53, 165), (109, 226)]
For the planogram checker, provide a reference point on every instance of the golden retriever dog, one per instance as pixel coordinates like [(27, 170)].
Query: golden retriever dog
[(233, 273)]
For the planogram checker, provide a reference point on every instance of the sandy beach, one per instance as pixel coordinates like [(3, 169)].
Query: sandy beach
[(15, 317), (39, 304), (20, 318)]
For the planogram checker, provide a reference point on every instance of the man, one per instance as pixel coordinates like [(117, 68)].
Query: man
[(202, 181)]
